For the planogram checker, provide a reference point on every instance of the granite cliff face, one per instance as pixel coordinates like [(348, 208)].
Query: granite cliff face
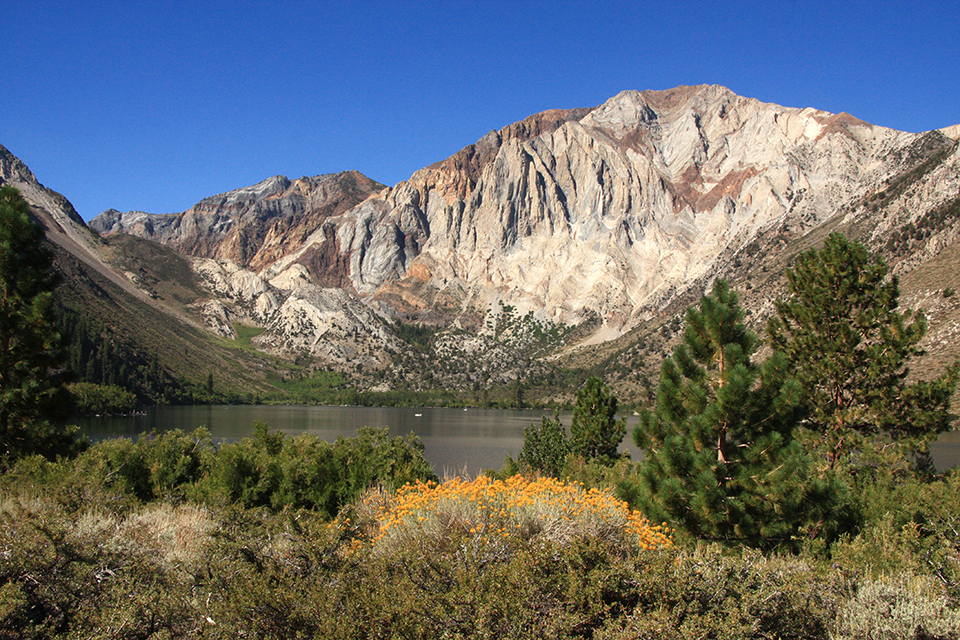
[(601, 216), (609, 211)]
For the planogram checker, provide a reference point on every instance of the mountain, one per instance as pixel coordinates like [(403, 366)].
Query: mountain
[(613, 213), (574, 236), (63, 224), (234, 236), (253, 226), (610, 211), (144, 334)]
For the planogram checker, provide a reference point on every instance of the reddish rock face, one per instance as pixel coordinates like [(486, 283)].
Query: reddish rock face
[(326, 263), (254, 226)]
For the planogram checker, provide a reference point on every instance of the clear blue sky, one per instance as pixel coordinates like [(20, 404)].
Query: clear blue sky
[(156, 105)]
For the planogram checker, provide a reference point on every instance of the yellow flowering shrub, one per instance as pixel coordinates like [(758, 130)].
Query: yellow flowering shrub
[(517, 508)]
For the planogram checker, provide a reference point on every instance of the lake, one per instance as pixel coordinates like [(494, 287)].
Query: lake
[(456, 441)]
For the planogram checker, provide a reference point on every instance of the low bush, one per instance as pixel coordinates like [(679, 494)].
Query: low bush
[(905, 607), (277, 537), (710, 592), (575, 568), (91, 574), (486, 510), (307, 580), (275, 471), (911, 527)]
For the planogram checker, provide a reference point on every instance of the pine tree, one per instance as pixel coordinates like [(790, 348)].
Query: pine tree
[(518, 397), (545, 447), (720, 461), (31, 350), (850, 346), (595, 432)]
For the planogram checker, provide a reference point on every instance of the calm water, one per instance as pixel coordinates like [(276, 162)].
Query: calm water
[(455, 440)]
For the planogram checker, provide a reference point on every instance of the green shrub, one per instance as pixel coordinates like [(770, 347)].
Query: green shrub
[(882, 549), (910, 527), (153, 467), (97, 399), (246, 472), (545, 447), (176, 460), (276, 471), (266, 470)]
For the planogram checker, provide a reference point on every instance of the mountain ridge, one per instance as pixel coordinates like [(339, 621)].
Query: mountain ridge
[(568, 230), (104, 284)]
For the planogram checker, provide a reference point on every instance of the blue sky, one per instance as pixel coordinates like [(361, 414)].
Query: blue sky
[(155, 105)]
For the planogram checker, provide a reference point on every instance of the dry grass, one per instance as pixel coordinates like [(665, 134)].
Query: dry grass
[(174, 534), (169, 534)]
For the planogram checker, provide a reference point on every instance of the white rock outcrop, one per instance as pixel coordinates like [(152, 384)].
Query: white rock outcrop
[(613, 212)]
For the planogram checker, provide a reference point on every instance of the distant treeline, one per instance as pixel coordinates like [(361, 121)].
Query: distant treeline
[(324, 387), (95, 355)]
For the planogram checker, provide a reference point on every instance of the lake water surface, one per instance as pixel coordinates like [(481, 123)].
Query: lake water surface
[(455, 440)]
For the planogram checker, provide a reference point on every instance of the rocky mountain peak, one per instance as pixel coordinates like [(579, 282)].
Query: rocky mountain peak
[(253, 226), (455, 177), (603, 215), (15, 173), (952, 132), (610, 210), (12, 169), (269, 188)]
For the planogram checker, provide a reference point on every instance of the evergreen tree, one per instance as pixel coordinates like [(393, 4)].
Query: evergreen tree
[(545, 447), (720, 461), (841, 331), (31, 351), (595, 431), (518, 399)]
